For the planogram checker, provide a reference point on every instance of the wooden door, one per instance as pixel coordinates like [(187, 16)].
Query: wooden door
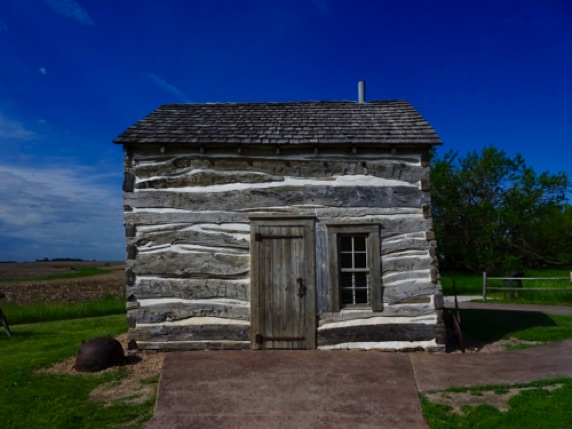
[(283, 284)]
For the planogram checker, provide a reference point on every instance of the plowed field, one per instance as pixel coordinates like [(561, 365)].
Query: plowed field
[(18, 282)]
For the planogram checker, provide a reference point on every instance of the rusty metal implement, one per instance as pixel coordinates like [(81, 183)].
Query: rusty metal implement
[(98, 354)]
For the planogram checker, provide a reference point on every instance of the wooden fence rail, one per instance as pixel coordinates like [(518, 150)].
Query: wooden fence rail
[(519, 288)]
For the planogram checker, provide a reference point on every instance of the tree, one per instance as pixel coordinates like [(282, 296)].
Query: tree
[(493, 213)]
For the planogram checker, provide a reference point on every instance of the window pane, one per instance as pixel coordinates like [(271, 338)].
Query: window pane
[(346, 296), (346, 260), (361, 296), (361, 280), (361, 260), (346, 244), (359, 243), (345, 280)]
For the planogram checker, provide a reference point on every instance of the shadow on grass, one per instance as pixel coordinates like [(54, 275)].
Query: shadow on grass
[(493, 325)]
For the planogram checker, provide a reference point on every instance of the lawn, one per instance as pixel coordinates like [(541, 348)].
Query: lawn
[(544, 404), (50, 332), (539, 405), (49, 311), (32, 400), (472, 284)]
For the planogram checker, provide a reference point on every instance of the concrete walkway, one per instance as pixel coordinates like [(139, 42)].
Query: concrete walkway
[(331, 389)]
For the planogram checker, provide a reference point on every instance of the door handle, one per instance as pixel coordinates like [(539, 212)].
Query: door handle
[(301, 287)]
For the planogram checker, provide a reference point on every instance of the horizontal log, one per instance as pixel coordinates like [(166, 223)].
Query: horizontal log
[(405, 261), (203, 288), (194, 237), (413, 275), (395, 168), (382, 333), (151, 216), (389, 310), (168, 310), (393, 226), (326, 195), (192, 264), (193, 345), (206, 178), (405, 243), (417, 291), (216, 332), (386, 346)]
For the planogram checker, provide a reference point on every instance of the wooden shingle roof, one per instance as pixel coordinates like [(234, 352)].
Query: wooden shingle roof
[(337, 122)]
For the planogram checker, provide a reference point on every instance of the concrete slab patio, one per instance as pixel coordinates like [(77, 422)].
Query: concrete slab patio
[(333, 389), (287, 389)]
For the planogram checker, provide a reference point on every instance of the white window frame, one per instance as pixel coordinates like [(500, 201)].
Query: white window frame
[(371, 232)]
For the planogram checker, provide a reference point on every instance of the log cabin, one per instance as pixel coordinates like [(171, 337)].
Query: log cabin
[(295, 225)]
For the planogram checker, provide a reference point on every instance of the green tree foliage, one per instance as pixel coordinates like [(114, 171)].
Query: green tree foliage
[(493, 213)]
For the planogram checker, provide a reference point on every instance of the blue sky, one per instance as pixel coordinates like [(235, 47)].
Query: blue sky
[(75, 73)]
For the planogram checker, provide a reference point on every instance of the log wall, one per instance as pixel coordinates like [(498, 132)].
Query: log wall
[(187, 232)]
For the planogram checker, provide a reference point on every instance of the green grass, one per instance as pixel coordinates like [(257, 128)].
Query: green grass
[(536, 408), (472, 284), (44, 312), (32, 400), (494, 325), (77, 272)]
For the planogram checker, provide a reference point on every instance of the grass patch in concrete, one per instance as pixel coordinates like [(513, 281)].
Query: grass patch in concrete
[(540, 405)]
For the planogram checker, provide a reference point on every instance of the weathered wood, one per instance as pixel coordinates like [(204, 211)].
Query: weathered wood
[(203, 332), (412, 275), (389, 310), (405, 243), (325, 195), (202, 288), (406, 261), (373, 214), (130, 230), (152, 216), (283, 285), (130, 277), (207, 178), (381, 333), (323, 284), (131, 251), (409, 292), (185, 207), (395, 168), (128, 182), (192, 264), (196, 238), (169, 310), (372, 233), (193, 345)]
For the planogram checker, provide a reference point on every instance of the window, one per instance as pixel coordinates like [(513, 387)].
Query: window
[(353, 271), (354, 266)]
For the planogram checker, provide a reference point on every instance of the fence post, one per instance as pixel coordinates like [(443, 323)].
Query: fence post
[(484, 285)]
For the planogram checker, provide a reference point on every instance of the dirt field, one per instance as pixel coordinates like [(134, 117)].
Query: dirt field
[(66, 290)]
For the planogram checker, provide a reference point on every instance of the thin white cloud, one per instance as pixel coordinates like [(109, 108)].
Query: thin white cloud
[(11, 129), (43, 70), (70, 9), (59, 212), (168, 87)]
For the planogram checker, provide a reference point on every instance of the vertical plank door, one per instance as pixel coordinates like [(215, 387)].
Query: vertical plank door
[(283, 284)]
